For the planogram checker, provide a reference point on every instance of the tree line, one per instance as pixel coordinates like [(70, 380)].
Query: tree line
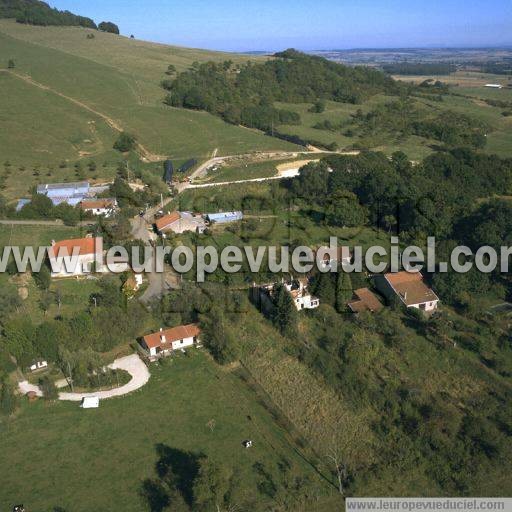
[(36, 12)]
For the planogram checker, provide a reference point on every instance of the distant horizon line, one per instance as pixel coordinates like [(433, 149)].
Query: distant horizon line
[(507, 46)]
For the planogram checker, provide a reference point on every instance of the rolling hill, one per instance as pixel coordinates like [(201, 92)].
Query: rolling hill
[(69, 96)]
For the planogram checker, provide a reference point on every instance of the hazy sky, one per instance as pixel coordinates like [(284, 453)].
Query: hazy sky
[(305, 24)]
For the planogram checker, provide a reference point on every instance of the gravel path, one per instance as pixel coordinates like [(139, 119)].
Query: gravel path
[(132, 364)]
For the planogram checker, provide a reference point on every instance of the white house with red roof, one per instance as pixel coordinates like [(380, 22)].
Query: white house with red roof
[(410, 288), (166, 341), (75, 257)]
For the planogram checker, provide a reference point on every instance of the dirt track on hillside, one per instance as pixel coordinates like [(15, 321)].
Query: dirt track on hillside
[(144, 153)]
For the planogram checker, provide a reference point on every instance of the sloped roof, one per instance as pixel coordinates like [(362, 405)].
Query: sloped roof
[(94, 204), (41, 189), (83, 245), (180, 332), (166, 220), (411, 287), (366, 301)]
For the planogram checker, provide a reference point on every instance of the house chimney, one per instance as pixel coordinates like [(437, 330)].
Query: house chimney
[(53, 243)]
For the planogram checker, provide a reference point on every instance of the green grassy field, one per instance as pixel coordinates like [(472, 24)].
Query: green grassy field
[(64, 102), (415, 147), (244, 170), (54, 456), (74, 295), (37, 235), (144, 61), (499, 138)]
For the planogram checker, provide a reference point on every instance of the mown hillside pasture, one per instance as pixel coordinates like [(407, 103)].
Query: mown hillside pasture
[(114, 94), (191, 406)]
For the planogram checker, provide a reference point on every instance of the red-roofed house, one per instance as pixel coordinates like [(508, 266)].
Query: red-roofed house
[(76, 257), (410, 288), (165, 341), (180, 222)]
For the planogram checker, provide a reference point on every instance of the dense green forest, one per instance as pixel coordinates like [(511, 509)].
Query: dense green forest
[(246, 94), (35, 12)]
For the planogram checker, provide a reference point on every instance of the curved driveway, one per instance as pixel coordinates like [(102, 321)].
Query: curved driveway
[(132, 364)]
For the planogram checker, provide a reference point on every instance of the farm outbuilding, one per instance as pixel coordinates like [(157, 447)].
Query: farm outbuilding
[(70, 193), (90, 402), (223, 217), (168, 171)]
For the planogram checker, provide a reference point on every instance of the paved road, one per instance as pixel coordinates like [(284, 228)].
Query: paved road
[(157, 287), (132, 364), (29, 222), (141, 230)]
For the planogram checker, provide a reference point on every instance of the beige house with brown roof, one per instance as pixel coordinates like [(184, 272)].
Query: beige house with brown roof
[(410, 288)]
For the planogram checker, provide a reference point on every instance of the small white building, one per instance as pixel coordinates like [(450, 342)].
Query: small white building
[(298, 289), (166, 341), (494, 86), (38, 365), (302, 299), (105, 207), (90, 402), (410, 288)]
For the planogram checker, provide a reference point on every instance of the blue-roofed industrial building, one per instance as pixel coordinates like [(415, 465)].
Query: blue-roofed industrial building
[(70, 193), (224, 217)]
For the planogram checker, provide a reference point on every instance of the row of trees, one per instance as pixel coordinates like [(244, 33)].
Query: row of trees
[(36, 12)]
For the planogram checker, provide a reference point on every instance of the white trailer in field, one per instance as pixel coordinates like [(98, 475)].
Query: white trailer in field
[(90, 402)]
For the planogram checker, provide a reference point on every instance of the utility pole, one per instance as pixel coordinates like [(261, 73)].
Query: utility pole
[(70, 378)]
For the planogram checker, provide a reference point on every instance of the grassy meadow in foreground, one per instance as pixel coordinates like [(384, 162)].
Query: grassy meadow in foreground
[(114, 449)]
